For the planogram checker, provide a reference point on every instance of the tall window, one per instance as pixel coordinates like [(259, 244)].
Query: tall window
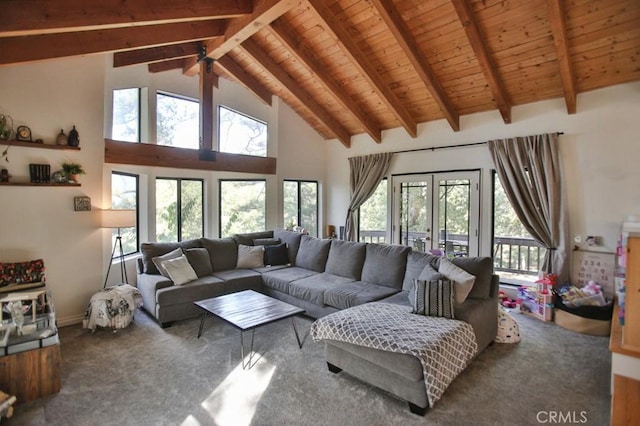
[(372, 221), (240, 134), (517, 256), (179, 209), (242, 206), (125, 123), (124, 196), (300, 205), (177, 121)]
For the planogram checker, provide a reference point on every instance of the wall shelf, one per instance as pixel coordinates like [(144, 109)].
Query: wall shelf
[(38, 145), (39, 184)]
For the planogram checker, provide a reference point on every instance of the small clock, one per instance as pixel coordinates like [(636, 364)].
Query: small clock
[(23, 133)]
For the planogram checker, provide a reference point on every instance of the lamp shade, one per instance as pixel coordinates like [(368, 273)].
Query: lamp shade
[(118, 218)]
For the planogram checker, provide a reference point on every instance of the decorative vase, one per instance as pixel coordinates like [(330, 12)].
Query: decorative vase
[(74, 137), (62, 138)]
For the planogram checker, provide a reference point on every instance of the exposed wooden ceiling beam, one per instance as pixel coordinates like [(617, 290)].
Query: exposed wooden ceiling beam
[(364, 66), (240, 29), (244, 78), (171, 64), (465, 13), (403, 37), (559, 30), (271, 67), (47, 46), (302, 54), (155, 54), (45, 16)]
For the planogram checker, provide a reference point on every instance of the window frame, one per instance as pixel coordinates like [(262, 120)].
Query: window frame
[(183, 98), (221, 106), (220, 183), (299, 207), (179, 202), (139, 90), (137, 180)]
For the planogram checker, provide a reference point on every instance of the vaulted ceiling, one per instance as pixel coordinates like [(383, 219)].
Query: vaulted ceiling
[(353, 66)]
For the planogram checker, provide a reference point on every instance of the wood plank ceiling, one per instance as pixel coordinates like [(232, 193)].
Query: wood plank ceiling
[(353, 66)]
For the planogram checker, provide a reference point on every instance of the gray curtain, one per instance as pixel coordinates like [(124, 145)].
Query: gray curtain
[(366, 172), (531, 175)]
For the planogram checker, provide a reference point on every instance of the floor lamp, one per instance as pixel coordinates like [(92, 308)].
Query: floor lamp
[(118, 219)]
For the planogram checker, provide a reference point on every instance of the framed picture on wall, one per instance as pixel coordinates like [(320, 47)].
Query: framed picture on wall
[(82, 204)]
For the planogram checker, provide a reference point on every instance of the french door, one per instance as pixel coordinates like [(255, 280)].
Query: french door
[(437, 212)]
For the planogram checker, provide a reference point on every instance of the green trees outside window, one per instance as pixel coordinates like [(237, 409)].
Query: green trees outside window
[(179, 209)]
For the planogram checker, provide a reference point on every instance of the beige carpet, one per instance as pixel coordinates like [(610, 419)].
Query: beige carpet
[(145, 375)]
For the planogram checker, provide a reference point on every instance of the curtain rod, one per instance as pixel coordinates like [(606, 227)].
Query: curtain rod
[(433, 148)]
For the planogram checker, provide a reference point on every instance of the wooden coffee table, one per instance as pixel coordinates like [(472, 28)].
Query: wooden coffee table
[(248, 310)]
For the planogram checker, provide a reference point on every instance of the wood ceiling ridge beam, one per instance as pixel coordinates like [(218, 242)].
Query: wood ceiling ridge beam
[(48, 46), (244, 78), (271, 67), (559, 30), (364, 66), (156, 54), (45, 16), (281, 32), (487, 64), (402, 35)]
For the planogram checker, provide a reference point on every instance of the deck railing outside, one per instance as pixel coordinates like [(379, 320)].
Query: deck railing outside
[(511, 254)]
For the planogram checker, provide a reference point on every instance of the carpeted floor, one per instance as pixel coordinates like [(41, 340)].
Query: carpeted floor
[(145, 375)]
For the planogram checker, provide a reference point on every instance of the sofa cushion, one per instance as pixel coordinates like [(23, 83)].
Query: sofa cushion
[(151, 250), (462, 279), (311, 289), (247, 238), (416, 261), (199, 260), (356, 293), (292, 239), (313, 253), (202, 288), (385, 264), (280, 278), (276, 255), (346, 259), (240, 279), (159, 260), (482, 269), (250, 256), (179, 270), (266, 241), (223, 253), (434, 298)]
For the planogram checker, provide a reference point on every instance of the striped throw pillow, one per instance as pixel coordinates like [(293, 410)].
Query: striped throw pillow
[(433, 298)]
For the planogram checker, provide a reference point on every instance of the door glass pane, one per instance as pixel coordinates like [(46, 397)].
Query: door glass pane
[(453, 216), (192, 208), (166, 210), (414, 222), (309, 207), (290, 203), (242, 207)]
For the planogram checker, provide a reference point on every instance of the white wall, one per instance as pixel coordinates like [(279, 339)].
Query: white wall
[(599, 150), (39, 222)]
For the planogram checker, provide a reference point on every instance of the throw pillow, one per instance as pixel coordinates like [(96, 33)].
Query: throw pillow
[(250, 256), (276, 255), (266, 241), (158, 260), (179, 270), (200, 261), (428, 273), (464, 280), (433, 298)]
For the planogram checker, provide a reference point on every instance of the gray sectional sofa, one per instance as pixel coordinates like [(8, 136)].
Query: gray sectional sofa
[(323, 276)]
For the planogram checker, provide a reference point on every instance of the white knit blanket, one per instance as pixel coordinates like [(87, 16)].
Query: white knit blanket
[(112, 307), (443, 346)]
